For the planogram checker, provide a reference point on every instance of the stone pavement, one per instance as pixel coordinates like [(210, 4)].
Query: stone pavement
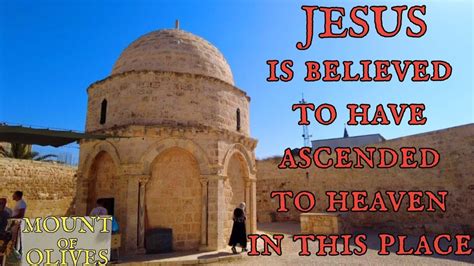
[(291, 249), (181, 258), (290, 254)]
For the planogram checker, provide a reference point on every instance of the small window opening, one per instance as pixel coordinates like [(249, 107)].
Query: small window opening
[(103, 112), (238, 119)]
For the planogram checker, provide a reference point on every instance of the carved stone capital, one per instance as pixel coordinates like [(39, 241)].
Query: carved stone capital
[(204, 180), (143, 179)]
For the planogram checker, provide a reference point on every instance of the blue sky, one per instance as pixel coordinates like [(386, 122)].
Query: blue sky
[(50, 51)]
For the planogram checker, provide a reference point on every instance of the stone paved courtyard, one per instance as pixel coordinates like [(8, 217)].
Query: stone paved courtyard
[(290, 253)]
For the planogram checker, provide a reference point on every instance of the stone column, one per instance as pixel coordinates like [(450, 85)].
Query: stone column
[(216, 211), (132, 213), (204, 213), (143, 180), (248, 203), (253, 205)]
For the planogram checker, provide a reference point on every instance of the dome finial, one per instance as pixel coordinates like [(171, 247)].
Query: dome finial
[(176, 25)]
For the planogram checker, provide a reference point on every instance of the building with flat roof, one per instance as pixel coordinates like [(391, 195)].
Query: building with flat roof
[(347, 141)]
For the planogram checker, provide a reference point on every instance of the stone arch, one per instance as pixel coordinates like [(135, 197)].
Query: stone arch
[(238, 169), (185, 144), (102, 179), (102, 146), (102, 176), (236, 180), (242, 152), (173, 197)]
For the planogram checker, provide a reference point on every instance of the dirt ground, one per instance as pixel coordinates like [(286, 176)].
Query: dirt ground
[(290, 251)]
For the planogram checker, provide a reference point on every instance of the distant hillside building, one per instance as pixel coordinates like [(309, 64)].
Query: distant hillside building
[(346, 141)]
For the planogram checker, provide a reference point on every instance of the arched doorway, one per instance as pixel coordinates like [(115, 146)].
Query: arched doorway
[(173, 197), (103, 182), (234, 189)]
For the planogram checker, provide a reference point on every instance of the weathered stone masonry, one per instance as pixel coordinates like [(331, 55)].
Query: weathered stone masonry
[(454, 173), (49, 188), (179, 154)]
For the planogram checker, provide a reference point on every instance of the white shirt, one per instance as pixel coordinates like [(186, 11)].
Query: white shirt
[(21, 204), (98, 211)]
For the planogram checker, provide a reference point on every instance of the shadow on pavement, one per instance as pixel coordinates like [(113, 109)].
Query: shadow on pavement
[(216, 255), (292, 228)]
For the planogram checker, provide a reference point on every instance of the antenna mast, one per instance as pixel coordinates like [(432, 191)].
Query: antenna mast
[(306, 136)]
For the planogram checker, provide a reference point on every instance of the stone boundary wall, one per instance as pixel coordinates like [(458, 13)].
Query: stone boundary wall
[(454, 173), (48, 188)]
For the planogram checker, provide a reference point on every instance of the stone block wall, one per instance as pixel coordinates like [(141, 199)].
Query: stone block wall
[(454, 174), (48, 188), (173, 197), (167, 99), (203, 172), (234, 193), (320, 223)]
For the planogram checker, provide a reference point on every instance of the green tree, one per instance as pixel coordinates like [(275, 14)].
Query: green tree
[(24, 151)]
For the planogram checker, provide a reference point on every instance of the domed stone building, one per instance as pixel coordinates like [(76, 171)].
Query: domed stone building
[(178, 153)]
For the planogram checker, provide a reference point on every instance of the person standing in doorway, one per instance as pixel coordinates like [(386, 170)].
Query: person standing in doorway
[(239, 233), (99, 210), (20, 206)]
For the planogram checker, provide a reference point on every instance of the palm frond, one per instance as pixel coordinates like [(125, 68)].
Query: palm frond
[(24, 151), (4, 152)]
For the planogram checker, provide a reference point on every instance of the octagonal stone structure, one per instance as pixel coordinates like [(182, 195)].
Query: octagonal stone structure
[(177, 151)]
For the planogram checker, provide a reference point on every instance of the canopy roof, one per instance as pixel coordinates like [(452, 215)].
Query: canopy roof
[(43, 137)]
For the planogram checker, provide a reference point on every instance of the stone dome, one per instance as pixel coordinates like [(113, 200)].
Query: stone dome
[(174, 50)]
